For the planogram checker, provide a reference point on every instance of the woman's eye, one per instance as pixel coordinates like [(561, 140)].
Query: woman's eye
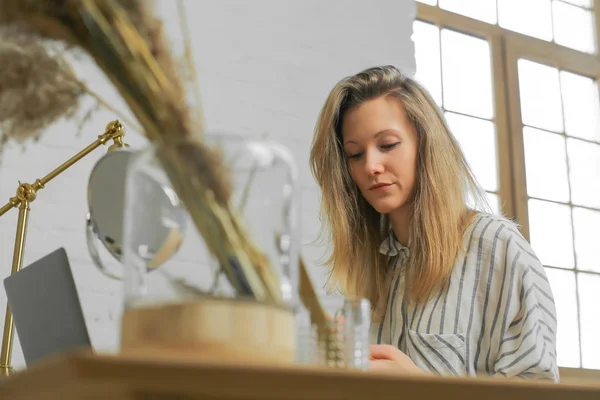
[(355, 155), (389, 146)]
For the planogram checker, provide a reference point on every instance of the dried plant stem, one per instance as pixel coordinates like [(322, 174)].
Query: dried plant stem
[(223, 235), (191, 65), (246, 267)]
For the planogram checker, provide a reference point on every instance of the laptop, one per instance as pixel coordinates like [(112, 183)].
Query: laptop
[(46, 310)]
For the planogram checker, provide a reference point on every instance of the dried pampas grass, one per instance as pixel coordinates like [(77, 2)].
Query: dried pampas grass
[(36, 86), (67, 22), (126, 42)]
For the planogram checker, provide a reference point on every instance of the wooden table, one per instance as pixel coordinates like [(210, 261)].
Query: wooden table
[(87, 376)]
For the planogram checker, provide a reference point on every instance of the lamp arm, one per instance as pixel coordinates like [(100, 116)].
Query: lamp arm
[(12, 203), (114, 131), (26, 193)]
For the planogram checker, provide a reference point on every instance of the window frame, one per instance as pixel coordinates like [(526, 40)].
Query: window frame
[(506, 48)]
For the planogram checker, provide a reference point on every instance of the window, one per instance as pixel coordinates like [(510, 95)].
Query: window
[(519, 86), (446, 59)]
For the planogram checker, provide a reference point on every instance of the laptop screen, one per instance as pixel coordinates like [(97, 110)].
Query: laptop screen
[(46, 309)]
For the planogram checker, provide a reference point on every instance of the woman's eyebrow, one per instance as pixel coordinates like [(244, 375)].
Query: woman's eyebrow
[(376, 135)]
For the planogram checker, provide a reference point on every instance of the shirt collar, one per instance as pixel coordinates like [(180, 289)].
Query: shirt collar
[(391, 247)]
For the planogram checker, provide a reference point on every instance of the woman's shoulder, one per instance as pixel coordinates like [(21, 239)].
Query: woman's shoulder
[(492, 231), (486, 225)]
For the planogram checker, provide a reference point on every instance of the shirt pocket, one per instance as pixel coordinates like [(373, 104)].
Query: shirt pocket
[(442, 354)]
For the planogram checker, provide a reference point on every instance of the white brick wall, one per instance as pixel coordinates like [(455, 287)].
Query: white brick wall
[(264, 66)]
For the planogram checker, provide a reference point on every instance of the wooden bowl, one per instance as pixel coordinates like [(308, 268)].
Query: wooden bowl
[(215, 329)]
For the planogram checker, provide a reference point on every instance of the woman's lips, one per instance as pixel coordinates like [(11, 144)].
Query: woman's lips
[(380, 187)]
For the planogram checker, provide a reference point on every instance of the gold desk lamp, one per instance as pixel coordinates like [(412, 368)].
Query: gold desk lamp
[(26, 194)]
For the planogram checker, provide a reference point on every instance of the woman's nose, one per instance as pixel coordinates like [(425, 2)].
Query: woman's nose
[(374, 165)]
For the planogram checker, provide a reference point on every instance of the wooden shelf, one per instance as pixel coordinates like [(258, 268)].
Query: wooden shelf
[(82, 375)]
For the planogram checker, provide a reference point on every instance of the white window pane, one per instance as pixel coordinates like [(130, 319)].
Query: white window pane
[(581, 3), (546, 165), (565, 298), (539, 90), (477, 138), (551, 233), (584, 172), (467, 74), (483, 10), (494, 201), (589, 300), (427, 56), (582, 106), (430, 2), (573, 27), (531, 17), (586, 224)]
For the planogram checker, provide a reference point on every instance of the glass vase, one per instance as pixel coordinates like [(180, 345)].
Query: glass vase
[(176, 295)]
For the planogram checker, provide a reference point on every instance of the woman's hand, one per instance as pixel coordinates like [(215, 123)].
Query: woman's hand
[(386, 358)]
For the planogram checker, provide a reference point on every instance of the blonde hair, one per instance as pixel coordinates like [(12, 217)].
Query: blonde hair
[(356, 230)]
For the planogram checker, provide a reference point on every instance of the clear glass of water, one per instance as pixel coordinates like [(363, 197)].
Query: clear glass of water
[(354, 325)]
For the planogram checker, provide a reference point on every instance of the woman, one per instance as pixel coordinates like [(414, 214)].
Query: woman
[(454, 291)]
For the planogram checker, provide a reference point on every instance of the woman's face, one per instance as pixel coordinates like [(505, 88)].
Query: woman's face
[(381, 145)]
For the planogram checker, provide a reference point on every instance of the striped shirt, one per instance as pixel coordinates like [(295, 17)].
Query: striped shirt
[(496, 316)]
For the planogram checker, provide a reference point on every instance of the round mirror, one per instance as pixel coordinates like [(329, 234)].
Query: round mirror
[(106, 202)]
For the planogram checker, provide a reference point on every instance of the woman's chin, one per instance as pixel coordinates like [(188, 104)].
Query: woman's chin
[(385, 207), (387, 204)]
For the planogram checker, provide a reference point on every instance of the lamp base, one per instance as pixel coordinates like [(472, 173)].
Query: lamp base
[(6, 370)]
